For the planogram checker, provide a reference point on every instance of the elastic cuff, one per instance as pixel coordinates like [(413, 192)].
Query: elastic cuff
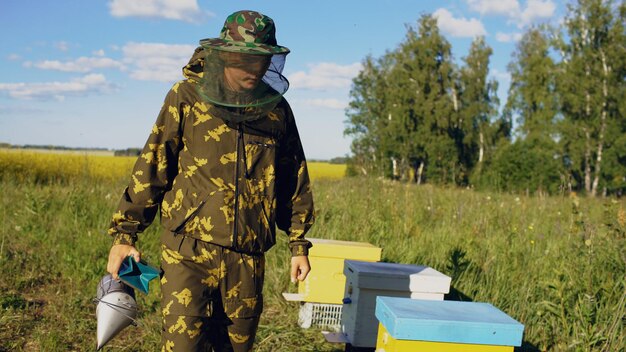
[(125, 238), (299, 250)]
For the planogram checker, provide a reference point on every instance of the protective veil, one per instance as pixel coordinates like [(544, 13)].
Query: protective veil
[(242, 86)]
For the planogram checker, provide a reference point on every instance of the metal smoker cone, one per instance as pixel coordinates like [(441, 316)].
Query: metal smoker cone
[(116, 309)]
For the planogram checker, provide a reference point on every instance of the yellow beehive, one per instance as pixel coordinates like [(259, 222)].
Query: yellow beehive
[(386, 343), (326, 282)]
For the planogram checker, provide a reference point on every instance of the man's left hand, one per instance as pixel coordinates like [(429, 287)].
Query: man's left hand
[(300, 268)]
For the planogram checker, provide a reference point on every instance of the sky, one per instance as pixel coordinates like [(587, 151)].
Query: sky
[(93, 74)]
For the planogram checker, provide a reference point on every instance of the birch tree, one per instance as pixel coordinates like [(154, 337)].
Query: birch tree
[(592, 84)]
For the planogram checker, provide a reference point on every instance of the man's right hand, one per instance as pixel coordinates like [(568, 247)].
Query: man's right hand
[(117, 254)]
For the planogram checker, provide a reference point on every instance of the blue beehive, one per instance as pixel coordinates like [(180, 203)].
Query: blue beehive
[(447, 321)]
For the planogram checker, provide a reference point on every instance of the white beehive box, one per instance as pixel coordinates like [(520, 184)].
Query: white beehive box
[(367, 280)]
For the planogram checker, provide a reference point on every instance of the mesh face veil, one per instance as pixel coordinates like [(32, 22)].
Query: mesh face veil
[(242, 86)]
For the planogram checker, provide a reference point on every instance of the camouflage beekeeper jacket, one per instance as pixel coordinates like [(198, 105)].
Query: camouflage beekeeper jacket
[(230, 186)]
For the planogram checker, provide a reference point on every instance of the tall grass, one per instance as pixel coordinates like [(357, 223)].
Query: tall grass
[(558, 265)]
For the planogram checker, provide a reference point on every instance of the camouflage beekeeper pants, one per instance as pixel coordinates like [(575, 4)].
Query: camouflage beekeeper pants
[(211, 296)]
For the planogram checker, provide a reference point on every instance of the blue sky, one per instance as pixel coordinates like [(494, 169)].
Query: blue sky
[(94, 73)]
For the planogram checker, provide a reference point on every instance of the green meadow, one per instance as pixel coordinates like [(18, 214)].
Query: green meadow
[(556, 264)]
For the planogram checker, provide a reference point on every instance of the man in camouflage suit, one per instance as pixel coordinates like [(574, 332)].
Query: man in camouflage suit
[(225, 165)]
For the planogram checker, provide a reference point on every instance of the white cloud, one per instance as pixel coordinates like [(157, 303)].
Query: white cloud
[(324, 76), (88, 84), (536, 10), (142, 61), (156, 61), (180, 10), (63, 46), (14, 57), (495, 7), (533, 11), (508, 37), (82, 64), (458, 27), (334, 104)]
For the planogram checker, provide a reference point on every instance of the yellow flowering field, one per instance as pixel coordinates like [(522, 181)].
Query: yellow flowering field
[(322, 170), (52, 166)]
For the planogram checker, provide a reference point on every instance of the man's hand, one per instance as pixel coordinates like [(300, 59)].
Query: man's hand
[(300, 268), (117, 254)]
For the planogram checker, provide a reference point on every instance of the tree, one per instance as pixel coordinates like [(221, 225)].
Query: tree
[(424, 73), (415, 116), (527, 165), (535, 159), (532, 99), (592, 90), (401, 114), (477, 129), (365, 111)]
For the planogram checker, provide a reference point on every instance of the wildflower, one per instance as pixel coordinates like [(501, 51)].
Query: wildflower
[(532, 242)]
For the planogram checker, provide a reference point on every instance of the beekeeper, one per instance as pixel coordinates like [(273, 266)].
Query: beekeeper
[(225, 165)]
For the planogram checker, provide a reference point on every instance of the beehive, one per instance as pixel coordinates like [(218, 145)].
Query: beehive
[(325, 316), (326, 281), (444, 326), (365, 281), (386, 343)]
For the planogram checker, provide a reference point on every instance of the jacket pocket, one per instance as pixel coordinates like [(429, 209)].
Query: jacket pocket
[(178, 207), (259, 154)]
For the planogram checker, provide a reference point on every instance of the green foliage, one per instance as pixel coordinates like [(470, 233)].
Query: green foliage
[(128, 152), (530, 165), (591, 90), (478, 130), (416, 116), (532, 99)]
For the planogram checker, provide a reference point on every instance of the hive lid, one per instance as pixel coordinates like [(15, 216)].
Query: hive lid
[(397, 277), (447, 321), (344, 249)]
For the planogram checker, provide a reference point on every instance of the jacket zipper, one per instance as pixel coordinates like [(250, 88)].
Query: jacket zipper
[(239, 142), (261, 144)]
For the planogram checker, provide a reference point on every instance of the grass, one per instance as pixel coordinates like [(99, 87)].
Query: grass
[(556, 264)]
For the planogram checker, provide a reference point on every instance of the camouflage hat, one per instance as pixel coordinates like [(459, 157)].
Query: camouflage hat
[(247, 32)]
